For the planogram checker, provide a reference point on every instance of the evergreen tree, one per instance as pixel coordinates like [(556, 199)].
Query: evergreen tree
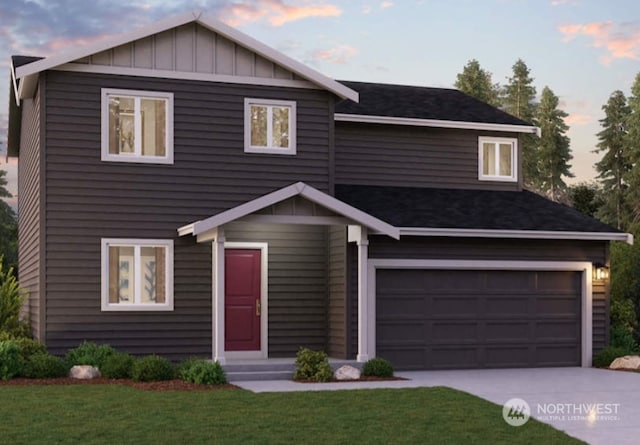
[(615, 164), (476, 82), (8, 227), (518, 100), (554, 152), (586, 197), (632, 144)]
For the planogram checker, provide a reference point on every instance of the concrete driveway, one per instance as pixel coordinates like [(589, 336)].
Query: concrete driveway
[(597, 406)]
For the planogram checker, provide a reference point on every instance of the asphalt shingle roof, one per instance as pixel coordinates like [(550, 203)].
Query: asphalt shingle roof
[(387, 100), (467, 209)]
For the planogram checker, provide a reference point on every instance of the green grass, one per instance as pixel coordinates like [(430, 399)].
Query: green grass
[(114, 414)]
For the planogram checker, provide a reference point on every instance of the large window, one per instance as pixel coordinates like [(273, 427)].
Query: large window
[(497, 159), (269, 126), (137, 126), (137, 275)]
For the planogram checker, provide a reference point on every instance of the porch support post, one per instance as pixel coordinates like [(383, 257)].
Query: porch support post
[(217, 317), (364, 322)]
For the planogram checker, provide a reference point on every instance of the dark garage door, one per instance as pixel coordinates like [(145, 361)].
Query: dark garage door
[(445, 319)]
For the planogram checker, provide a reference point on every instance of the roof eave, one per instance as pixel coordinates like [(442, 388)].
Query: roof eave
[(415, 122), (517, 234)]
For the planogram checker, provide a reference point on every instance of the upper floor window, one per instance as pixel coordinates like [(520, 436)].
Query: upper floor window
[(269, 126), (497, 159), (137, 275), (137, 126)]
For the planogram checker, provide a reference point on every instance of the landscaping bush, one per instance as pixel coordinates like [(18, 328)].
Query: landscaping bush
[(622, 337), (202, 372), (377, 367), (10, 360), (89, 353), (312, 365), (11, 301), (42, 365), (28, 346), (604, 358), (117, 366), (152, 368)]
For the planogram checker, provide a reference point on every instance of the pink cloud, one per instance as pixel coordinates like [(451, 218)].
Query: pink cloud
[(578, 120), (275, 12), (386, 4), (340, 54), (563, 2), (620, 41)]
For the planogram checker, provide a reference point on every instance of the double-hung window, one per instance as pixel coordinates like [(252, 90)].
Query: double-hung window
[(269, 126), (497, 159), (137, 126), (137, 275)]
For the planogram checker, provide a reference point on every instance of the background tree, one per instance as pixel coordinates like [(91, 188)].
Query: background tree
[(8, 227), (476, 82), (615, 164), (519, 100), (586, 197), (631, 140), (554, 152)]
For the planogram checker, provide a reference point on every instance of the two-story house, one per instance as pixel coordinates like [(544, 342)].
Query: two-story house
[(186, 190)]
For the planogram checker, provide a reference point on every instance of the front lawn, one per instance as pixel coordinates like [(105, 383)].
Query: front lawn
[(115, 414)]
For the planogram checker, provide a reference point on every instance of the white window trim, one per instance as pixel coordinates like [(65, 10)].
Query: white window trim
[(514, 159), (127, 242), (248, 148), (136, 158)]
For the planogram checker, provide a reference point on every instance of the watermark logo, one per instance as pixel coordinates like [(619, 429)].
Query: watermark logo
[(516, 412)]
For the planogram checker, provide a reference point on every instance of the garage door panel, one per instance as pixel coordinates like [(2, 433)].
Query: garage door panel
[(478, 319)]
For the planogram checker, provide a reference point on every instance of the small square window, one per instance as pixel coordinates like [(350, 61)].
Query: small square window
[(137, 126), (270, 126), (137, 275), (497, 159)]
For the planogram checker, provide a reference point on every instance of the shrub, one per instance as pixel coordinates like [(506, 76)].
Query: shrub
[(11, 301), (604, 358), (622, 337), (89, 353), (202, 372), (10, 360), (42, 365), (312, 365), (152, 368), (377, 367), (28, 346), (117, 366)]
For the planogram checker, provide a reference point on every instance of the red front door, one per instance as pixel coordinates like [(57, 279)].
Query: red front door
[(242, 299)]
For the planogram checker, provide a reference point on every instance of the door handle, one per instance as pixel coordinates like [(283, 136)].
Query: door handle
[(258, 308)]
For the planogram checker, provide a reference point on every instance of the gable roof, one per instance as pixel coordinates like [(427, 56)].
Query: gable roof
[(298, 189), (205, 20), (450, 211), (413, 105)]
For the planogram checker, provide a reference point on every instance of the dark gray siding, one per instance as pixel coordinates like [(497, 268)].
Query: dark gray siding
[(600, 315), (297, 283), (396, 155), (487, 249), (336, 315), (88, 200), (29, 210)]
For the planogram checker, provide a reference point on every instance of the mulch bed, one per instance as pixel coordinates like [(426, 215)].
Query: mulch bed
[(166, 385)]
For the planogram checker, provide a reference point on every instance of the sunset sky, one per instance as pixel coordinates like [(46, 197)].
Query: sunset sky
[(583, 50)]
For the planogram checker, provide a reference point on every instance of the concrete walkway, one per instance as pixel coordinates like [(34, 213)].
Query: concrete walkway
[(557, 396)]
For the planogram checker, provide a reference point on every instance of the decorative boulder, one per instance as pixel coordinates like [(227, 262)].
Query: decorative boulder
[(626, 362), (84, 372), (347, 372)]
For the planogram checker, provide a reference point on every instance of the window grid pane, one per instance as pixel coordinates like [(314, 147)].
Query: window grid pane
[(121, 274), (121, 125), (489, 159), (258, 126), (280, 127), (153, 117), (149, 262), (505, 160)]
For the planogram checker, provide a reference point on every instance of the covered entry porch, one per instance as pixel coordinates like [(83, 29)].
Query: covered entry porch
[(279, 275)]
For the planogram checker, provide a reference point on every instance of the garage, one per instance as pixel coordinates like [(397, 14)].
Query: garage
[(452, 319)]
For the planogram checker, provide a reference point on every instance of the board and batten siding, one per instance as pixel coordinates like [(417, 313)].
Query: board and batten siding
[(404, 156), (87, 200), (297, 278), (490, 250), (30, 212)]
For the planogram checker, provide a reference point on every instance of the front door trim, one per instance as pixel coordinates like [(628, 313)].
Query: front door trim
[(264, 312), (578, 266)]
